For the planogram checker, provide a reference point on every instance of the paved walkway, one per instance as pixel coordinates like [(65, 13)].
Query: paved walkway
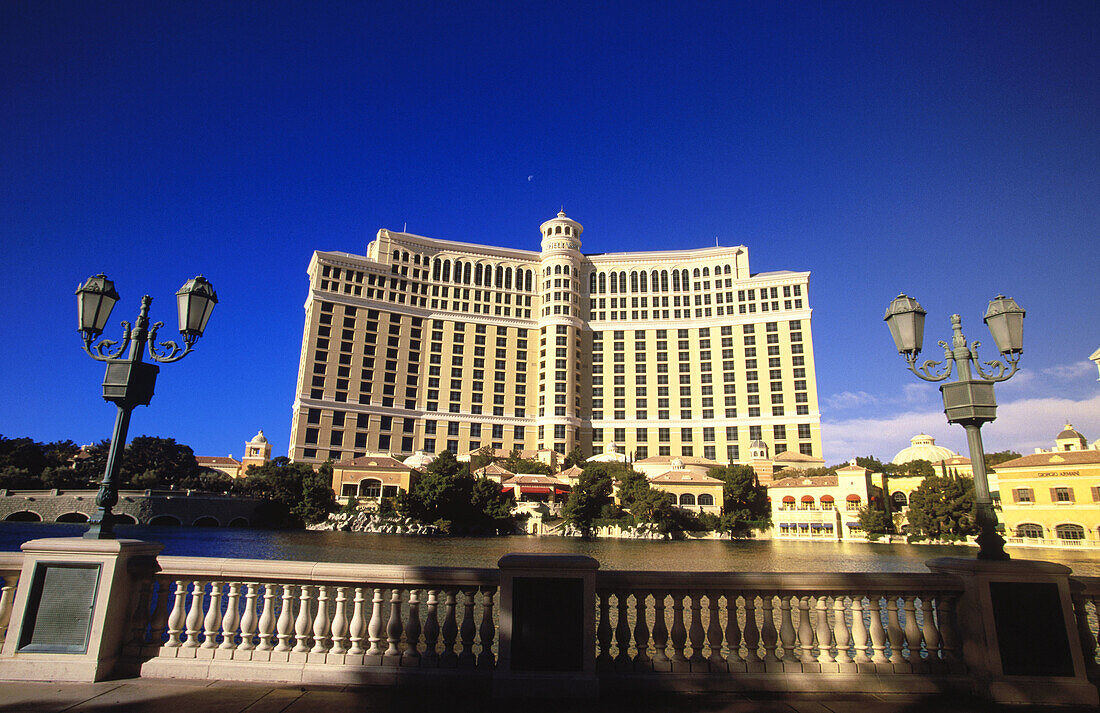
[(173, 696)]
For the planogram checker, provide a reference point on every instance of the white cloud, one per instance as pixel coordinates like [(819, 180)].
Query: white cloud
[(1070, 372), (1021, 425), (915, 393), (850, 399)]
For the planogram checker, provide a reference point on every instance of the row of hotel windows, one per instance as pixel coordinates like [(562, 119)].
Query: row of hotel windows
[(826, 502), (1057, 495), (1067, 531), (664, 435)]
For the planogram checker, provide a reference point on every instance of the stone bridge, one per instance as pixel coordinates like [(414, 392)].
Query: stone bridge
[(144, 507)]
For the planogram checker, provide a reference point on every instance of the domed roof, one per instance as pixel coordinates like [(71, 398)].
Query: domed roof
[(420, 459), (1068, 431), (923, 447), (259, 438)]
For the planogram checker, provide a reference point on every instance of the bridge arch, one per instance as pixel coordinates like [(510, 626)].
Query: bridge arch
[(239, 522), (165, 521), (206, 521), (122, 518), (72, 517), (23, 516)]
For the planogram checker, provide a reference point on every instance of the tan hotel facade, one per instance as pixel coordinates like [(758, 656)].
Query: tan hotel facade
[(432, 345)]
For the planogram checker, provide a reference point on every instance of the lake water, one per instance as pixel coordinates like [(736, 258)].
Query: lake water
[(699, 555)]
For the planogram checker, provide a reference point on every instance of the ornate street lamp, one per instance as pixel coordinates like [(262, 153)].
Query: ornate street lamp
[(968, 400), (129, 380)]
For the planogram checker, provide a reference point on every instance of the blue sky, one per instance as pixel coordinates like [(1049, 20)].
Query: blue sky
[(948, 150)]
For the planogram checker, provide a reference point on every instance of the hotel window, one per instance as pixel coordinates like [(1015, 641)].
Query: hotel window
[(1061, 495), (1023, 495)]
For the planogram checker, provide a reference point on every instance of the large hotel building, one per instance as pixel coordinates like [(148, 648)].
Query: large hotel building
[(432, 345)]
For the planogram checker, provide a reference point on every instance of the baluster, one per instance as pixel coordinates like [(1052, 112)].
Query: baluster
[(824, 633), (768, 634), (340, 623), (160, 614), (411, 655), (178, 617), (805, 630), (393, 627), (232, 617), (302, 623), (374, 628), (641, 631), (468, 631), (660, 633), (840, 631), (878, 634), (893, 629), (248, 619), (679, 631), (931, 635), (622, 631), (194, 616), (7, 597), (487, 632), (733, 629), (695, 631), (786, 628), (603, 631), (752, 631), (859, 629), (450, 630), (714, 634), (266, 627), (285, 625), (213, 616), (912, 629), (945, 617), (321, 621), (356, 629), (431, 630)]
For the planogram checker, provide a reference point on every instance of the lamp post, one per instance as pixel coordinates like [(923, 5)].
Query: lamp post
[(129, 380), (968, 400)]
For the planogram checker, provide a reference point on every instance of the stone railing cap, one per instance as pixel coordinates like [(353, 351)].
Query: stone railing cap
[(1003, 567), (538, 560)]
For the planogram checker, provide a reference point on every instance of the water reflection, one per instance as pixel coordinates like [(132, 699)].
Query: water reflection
[(699, 555)]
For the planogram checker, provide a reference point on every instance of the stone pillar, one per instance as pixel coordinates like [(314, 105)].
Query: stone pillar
[(547, 638), (72, 608), (1018, 631)]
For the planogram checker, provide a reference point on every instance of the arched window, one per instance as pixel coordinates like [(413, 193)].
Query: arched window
[(396, 255), (633, 282), (808, 503), (684, 280), (706, 272), (614, 282), (478, 272), (695, 273), (567, 230), (642, 281), (404, 257), (853, 502), (488, 276), (507, 278), (788, 502), (664, 281), (557, 230), (498, 278), (654, 281), (899, 499), (446, 272), (436, 264), (827, 502), (370, 488), (675, 280), (1070, 532), (622, 282), (727, 269), (1029, 529), (603, 283), (706, 499), (557, 269), (466, 273), (458, 271), (687, 499)]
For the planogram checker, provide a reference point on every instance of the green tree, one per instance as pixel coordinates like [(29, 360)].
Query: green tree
[(483, 457), (943, 508), (447, 496), (586, 501), (575, 457), (745, 502), (296, 494), (875, 521), (516, 463), (919, 467)]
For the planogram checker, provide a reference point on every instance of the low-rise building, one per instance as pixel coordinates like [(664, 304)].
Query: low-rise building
[(257, 452), (692, 490), (822, 506), (1052, 498), (370, 477)]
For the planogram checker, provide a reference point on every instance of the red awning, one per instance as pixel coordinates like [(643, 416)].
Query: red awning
[(561, 491), (534, 489)]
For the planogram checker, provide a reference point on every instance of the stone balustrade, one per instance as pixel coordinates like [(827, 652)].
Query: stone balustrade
[(1086, 608), (278, 616), (10, 564), (777, 624)]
